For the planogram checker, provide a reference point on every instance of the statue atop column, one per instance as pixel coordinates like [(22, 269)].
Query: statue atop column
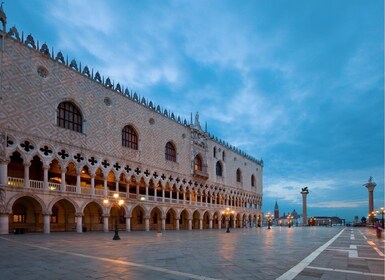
[(370, 185), (304, 193)]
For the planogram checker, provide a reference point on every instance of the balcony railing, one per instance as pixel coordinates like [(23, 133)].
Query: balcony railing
[(201, 173), (55, 187)]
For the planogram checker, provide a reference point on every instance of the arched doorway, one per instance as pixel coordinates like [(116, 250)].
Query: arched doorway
[(171, 219), (156, 219), (26, 216), (117, 216), (195, 220), (138, 219), (183, 220), (63, 216), (216, 220), (93, 217), (206, 220)]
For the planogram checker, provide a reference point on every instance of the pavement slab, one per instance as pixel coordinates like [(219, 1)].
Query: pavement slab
[(254, 253)]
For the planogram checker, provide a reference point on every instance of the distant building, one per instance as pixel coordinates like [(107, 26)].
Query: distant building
[(284, 219), (276, 211), (326, 221)]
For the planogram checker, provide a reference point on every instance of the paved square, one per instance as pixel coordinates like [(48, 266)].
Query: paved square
[(258, 253)]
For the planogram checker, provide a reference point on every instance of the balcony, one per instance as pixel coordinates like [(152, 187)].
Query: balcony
[(202, 174)]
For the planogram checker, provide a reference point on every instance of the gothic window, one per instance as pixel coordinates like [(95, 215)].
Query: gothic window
[(70, 117), (239, 175), (253, 180), (218, 169), (198, 163), (223, 156), (215, 152), (170, 152), (129, 137)]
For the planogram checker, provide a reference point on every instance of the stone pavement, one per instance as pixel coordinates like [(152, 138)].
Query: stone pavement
[(280, 253)]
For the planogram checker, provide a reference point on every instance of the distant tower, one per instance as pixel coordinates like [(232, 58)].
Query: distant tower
[(370, 185), (304, 193), (276, 211)]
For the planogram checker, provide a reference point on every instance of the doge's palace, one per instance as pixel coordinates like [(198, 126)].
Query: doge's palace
[(72, 141)]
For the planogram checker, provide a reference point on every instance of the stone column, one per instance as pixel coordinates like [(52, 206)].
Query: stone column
[(117, 185), (177, 223), (79, 222), (4, 223), (147, 222), (45, 180), (63, 181), (26, 175), (163, 224), (78, 179), (304, 193), (162, 194), (105, 223), (105, 186), (93, 183), (189, 224), (137, 191), (146, 192), (219, 222), (128, 224), (47, 222), (200, 224), (370, 185), (3, 172), (210, 223)]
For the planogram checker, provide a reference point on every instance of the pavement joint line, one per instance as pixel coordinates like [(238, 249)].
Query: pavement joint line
[(346, 271), (371, 243), (294, 271), (362, 234), (154, 268)]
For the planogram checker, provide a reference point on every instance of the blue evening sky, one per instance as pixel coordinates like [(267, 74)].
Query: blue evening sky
[(297, 83)]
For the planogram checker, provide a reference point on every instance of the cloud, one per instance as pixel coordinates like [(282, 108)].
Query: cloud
[(339, 204)]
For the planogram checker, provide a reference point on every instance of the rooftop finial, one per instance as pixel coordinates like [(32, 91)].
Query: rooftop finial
[(3, 17)]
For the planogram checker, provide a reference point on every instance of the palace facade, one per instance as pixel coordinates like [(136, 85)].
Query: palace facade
[(70, 139)]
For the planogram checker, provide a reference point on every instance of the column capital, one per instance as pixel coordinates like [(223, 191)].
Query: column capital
[(46, 213), (79, 214)]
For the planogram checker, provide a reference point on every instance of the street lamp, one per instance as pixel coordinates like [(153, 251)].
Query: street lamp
[(382, 212), (118, 203), (289, 217), (227, 214), (371, 217), (269, 220)]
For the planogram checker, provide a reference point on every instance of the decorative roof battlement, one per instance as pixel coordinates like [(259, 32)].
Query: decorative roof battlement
[(117, 87)]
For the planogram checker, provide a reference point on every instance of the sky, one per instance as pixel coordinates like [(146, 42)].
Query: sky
[(299, 84)]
